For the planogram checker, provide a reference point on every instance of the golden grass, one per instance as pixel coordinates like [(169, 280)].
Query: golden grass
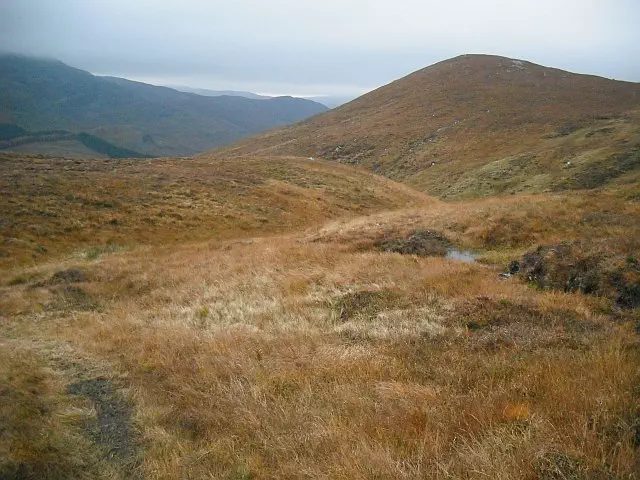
[(308, 354), (504, 227), (56, 207), (272, 383), (242, 367)]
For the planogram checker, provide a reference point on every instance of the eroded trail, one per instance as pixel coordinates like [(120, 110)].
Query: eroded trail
[(68, 412)]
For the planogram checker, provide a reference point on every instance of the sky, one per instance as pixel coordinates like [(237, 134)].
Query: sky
[(319, 47)]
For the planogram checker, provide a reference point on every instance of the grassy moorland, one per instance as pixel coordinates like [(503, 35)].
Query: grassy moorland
[(271, 319), (55, 206)]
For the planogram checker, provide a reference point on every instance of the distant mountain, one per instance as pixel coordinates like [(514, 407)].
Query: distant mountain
[(332, 101), (477, 125), (41, 95), (219, 93)]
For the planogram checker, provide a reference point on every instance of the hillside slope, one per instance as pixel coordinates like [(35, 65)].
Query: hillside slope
[(48, 95), (56, 206), (477, 125)]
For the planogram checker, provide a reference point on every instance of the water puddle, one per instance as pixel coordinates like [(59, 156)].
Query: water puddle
[(423, 243), (461, 256)]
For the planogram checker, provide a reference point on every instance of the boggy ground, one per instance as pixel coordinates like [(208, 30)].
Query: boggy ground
[(314, 353)]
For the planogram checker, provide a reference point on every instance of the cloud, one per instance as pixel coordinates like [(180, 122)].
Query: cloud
[(355, 44)]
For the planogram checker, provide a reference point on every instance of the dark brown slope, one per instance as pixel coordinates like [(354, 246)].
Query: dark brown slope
[(477, 125)]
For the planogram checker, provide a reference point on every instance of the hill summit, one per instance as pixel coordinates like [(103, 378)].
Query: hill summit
[(475, 125)]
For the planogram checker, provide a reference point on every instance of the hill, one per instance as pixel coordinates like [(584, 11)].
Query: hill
[(41, 94), (477, 125)]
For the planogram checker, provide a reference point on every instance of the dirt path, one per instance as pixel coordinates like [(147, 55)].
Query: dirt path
[(109, 427), (112, 429)]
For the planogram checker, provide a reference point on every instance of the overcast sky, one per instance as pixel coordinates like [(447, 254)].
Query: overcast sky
[(315, 47)]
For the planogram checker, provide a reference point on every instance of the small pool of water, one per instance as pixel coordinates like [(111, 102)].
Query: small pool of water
[(466, 256)]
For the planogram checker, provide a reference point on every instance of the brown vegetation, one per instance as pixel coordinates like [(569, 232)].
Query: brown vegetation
[(280, 342), (60, 206), (476, 126)]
